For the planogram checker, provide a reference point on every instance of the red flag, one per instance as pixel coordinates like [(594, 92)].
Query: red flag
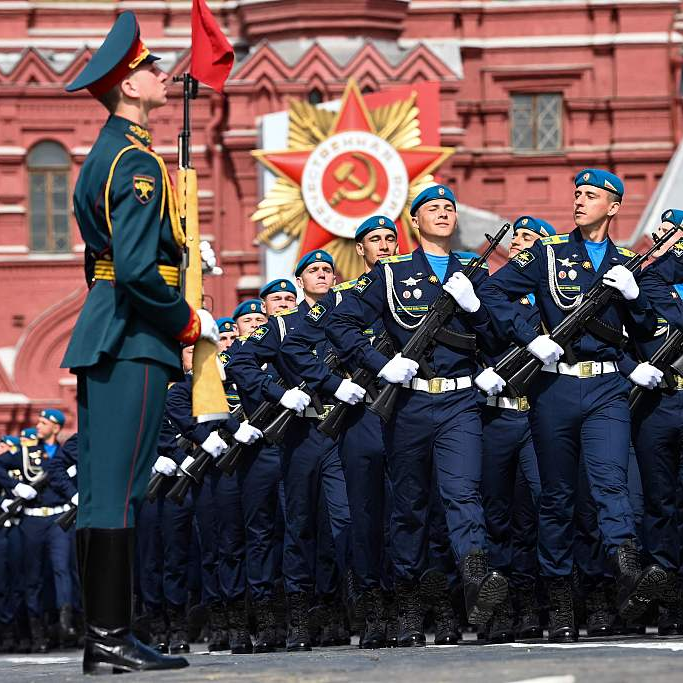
[(212, 55)]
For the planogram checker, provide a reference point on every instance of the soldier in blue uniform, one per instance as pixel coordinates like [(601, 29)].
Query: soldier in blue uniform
[(361, 444), (125, 345), (436, 425), (227, 333), (310, 461), (657, 432), (579, 408), (510, 460), (41, 538)]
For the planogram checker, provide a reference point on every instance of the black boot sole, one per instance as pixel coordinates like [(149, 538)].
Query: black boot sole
[(299, 647), (645, 591), (493, 591), (532, 633), (563, 636), (501, 637), (418, 640)]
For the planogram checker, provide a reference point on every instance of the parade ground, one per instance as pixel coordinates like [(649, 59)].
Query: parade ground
[(647, 658)]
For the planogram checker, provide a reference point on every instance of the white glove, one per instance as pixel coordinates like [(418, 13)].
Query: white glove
[(646, 375), (460, 288), (621, 278), (398, 370), (208, 255), (545, 349), (247, 434), (214, 445), (350, 392), (74, 499), (165, 466), (5, 504), (490, 382), (295, 400), (209, 329), (24, 491)]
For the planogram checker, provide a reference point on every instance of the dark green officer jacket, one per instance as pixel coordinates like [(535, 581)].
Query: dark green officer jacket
[(127, 216)]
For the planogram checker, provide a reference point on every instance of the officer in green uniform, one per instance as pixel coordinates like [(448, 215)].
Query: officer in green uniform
[(126, 344)]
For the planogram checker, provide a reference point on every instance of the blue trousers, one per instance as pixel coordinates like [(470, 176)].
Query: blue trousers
[(441, 433), (149, 546), (587, 418), (44, 541), (510, 490), (362, 453), (311, 465), (11, 573), (658, 439)]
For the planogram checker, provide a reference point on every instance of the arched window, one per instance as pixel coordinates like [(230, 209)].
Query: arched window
[(48, 171)]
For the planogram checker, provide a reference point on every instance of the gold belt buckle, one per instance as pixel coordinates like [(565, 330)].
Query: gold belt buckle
[(679, 382), (44, 510), (586, 368), (435, 385), (325, 413), (522, 403)]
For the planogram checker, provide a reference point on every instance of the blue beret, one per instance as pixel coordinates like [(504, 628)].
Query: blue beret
[(374, 223), (248, 307), (225, 324), (54, 415), (599, 178), (277, 286), (537, 225), (120, 53), (29, 433), (317, 256), (433, 192), (673, 216), (12, 441)]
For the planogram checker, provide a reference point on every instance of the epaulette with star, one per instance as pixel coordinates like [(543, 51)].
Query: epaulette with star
[(626, 252), (555, 239), (287, 311), (343, 286), (398, 258), (465, 258)]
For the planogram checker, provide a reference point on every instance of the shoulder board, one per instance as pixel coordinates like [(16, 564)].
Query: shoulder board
[(626, 252), (243, 337), (289, 311), (555, 239), (397, 259), (465, 258), (349, 284)]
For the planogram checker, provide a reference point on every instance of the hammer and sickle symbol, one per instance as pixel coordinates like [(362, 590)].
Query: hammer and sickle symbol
[(345, 172)]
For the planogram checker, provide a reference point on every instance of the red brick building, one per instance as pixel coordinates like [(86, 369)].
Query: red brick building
[(530, 91)]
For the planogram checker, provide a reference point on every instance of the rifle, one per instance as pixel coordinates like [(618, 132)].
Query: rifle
[(275, 431), (332, 423), (158, 479), (13, 508), (519, 367), (669, 359), (439, 313), (66, 519)]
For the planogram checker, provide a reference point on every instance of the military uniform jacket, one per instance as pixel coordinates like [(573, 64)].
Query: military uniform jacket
[(126, 212), (657, 282), (399, 291), (299, 346), (63, 468), (557, 271)]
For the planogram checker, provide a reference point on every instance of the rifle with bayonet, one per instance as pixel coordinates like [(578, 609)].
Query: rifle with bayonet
[(331, 425), (40, 484), (430, 330), (669, 359), (520, 367)]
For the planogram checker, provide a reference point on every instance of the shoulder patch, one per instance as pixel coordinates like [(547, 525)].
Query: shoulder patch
[(259, 333), (362, 283), (555, 239), (343, 286), (144, 187), (626, 252), (288, 311), (399, 258), (678, 249), (316, 312), (524, 258)]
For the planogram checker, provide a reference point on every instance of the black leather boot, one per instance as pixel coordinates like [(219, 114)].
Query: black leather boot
[(7, 643), (501, 628), (39, 639), (67, 633), (266, 636), (598, 615), (220, 636), (636, 587), (561, 624), (298, 636), (390, 618), (158, 632), (374, 630), (410, 615), (107, 557), (484, 589), (436, 598), (528, 624), (669, 617), (177, 621), (240, 640)]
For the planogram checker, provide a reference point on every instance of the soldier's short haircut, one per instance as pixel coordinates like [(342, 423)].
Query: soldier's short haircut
[(614, 197), (111, 99)]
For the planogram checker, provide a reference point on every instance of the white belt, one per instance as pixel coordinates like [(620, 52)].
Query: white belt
[(438, 385), (46, 512), (586, 368), (310, 412), (521, 403)]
